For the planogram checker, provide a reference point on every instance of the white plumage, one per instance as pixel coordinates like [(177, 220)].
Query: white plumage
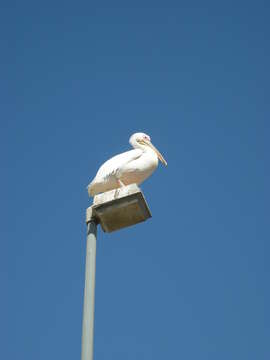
[(130, 167)]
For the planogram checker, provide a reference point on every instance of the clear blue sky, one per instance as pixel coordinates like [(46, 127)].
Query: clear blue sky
[(78, 78)]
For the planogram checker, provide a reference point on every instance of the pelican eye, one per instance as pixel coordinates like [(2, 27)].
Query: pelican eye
[(143, 140)]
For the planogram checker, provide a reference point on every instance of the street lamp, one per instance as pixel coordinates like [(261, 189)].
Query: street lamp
[(113, 210)]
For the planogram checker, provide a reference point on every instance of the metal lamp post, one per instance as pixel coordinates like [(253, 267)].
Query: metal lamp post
[(89, 292), (114, 210)]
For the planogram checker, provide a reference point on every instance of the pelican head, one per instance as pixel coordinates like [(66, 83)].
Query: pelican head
[(143, 141)]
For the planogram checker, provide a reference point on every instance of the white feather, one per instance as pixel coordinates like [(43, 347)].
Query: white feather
[(132, 166), (111, 168)]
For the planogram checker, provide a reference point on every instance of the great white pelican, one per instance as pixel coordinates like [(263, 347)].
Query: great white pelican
[(130, 167)]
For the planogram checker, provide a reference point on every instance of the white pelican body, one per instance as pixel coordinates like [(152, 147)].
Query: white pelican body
[(130, 167)]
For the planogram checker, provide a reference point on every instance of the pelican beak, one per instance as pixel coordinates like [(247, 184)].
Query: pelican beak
[(161, 158)]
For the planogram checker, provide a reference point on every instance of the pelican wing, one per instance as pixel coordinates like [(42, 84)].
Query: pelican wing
[(110, 169), (116, 163)]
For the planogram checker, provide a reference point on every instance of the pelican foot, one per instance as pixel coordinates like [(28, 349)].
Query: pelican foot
[(116, 193)]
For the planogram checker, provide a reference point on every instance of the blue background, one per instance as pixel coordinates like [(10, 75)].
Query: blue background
[(78, 78)]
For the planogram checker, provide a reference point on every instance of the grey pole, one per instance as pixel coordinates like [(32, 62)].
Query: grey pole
[(89, 293), (129, 208)]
